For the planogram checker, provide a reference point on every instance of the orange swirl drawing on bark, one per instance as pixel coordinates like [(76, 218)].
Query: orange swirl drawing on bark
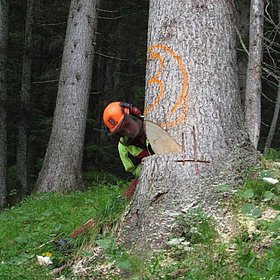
[(155, 79)]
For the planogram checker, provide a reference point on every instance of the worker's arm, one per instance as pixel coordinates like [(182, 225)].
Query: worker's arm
[(128, 156)]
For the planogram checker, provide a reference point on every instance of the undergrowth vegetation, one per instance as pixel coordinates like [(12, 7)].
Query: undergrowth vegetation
[(41, 225)]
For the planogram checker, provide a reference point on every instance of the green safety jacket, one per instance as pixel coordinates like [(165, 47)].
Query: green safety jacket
[(131, 155)]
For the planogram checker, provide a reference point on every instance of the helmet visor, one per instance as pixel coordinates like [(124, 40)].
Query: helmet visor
[(130, 126)]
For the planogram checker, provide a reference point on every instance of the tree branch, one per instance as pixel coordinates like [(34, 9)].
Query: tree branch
[(241, 41), (43, 82), (113, 57)]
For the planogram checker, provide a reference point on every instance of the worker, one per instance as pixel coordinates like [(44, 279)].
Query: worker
[(125, 121)]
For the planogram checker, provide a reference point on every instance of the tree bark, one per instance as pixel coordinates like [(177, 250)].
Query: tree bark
[(242, 24), (22, 147), (61, 169), (3, 101), (192, 91), (254, 72)]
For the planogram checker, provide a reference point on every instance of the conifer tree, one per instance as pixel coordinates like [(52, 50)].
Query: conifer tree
[(62, 165), (192, 92)]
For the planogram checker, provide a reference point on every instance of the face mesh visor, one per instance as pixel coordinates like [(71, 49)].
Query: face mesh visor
[(130, 126)]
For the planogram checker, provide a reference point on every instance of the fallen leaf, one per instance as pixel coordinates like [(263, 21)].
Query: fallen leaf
[(270, 180), (44, 260)]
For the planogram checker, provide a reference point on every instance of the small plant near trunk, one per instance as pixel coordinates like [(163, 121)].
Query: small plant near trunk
[(195, 227)]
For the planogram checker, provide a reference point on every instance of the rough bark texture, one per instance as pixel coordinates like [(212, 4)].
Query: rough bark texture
[(22, 147), (192, 91), (61, 169), (254, 72), (242, 24), (3, 99)]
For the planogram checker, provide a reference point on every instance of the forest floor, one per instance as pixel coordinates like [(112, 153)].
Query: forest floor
[(39, 237)]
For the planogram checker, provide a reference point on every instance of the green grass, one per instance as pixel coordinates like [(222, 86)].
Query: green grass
[(39, 223), (197, 252), (273, 154), (194, 250)]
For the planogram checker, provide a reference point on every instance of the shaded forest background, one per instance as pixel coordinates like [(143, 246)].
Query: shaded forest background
[(119, 74)]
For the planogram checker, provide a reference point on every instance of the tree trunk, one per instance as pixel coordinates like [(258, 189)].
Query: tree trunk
[(192, 92), (242, 24), (273, 123), (22, 147), (275, 115), (61, 169), (254, 72), (3, 101)]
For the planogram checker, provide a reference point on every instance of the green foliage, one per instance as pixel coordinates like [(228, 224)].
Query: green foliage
[(195, 227), (257, 249), (258, 190), (195, 252), (250, 209), (273, 154), (101, 178), (116, 253), (252, 253), (42, 224), (108, 203), (257, 262), (205, 258)]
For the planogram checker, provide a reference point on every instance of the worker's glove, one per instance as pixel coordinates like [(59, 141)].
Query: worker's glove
[(131, 188)]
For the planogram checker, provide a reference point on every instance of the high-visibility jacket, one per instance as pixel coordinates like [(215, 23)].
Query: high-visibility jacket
[(131, 155)]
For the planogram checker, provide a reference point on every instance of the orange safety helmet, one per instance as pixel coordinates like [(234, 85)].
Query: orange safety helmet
[(113, 116), (115, 113)]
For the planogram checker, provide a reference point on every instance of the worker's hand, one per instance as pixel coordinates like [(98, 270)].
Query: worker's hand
[(131, 188)]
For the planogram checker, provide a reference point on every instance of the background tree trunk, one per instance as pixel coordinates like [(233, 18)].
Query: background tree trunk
[(254, 72), (276, 110), (61, 169), (273, 123), (3, 100), (242, 24), (193, 92), (22, 147)]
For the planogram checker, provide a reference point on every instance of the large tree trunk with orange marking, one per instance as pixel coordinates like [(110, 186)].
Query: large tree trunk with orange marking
[(192, 92)]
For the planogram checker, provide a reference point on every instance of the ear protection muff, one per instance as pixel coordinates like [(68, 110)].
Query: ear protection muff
[(135, 111)]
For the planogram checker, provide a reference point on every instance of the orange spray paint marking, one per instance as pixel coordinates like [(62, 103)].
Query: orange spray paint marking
[(159, 57), (155, 79), (180, 119)]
